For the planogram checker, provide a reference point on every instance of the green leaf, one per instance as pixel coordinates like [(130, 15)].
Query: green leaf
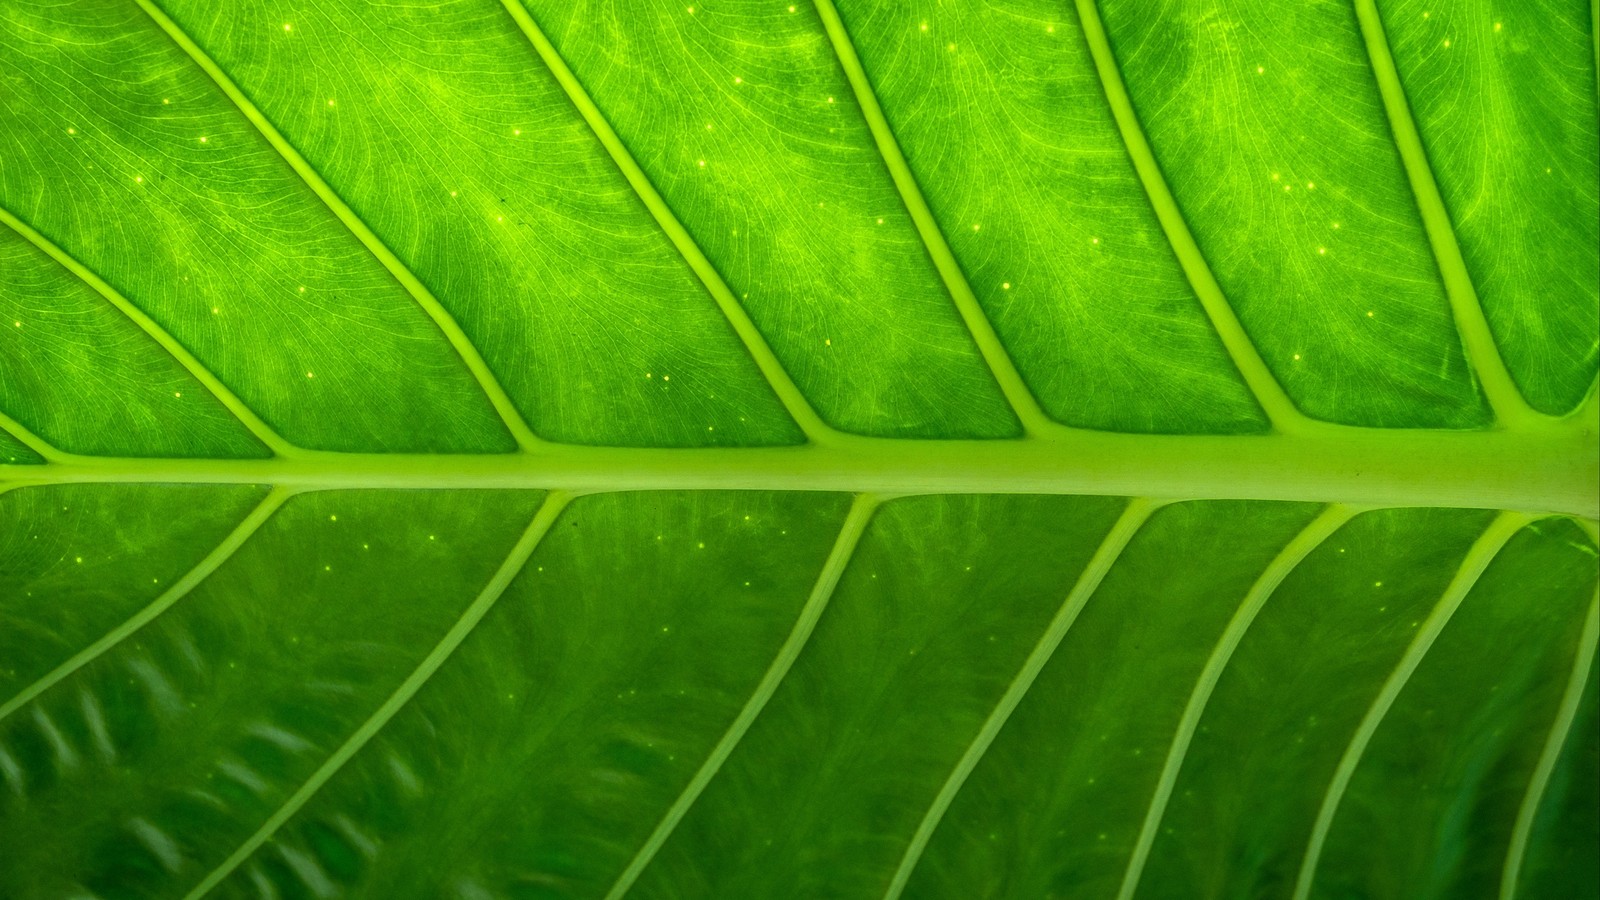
[(529, 449)]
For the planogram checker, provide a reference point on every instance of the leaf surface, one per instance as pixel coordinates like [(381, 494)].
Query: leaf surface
[(525, 449)]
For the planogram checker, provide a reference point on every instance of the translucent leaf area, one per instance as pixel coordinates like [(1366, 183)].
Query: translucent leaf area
[(1084, 449)]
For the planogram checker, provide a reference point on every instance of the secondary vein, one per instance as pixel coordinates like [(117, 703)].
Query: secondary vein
[(1483, 354), (795, 402), (419, 292), (30, 440), (202, 570), (1280, 410), (1023, 404), (1483, 552), (843, 548), (1582, 662), (1116, 540), (514, 562), (241, 410), (1321, 528)]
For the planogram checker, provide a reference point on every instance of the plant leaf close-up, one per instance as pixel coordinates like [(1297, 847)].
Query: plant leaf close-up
[(763, 449)]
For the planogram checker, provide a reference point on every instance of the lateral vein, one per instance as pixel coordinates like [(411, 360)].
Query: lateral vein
[(180, 588), (795, 402), (843, 548), (1582, 662), (408, 279), (30, 440), (1321, 528), (241, 410), (1483, 354), (1023, 403), (1280, 410), (1116, 540), (1483, 552), (514, 562)]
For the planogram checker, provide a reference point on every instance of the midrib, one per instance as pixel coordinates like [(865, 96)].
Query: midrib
[(1548, 467)]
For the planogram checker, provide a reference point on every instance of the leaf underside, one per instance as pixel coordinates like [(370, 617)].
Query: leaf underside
[(336, 340)]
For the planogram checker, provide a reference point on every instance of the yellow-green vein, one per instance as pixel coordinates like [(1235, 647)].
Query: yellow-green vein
[(777, 377), (1560, 729), (843, 548), (242, 411), (413, 285), (1027, 409), (1280, 410), (514, 562), (1321, 528), (1116, 540), (1509, 406), (1483, 552), (202, 570), (29, 439)]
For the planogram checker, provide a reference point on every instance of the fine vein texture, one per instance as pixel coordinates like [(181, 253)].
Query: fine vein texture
[(419, 292), (262, 431), (1504, 398), (994, 354), (1279, 408), (1478, 559), (507, 449), (794, 401)]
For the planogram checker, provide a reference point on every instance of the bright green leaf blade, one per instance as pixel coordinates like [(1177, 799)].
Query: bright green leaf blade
[(84, 378), (1504, 97), (517, 218), (1269, 127), (1068, 259), (1222, 650), (792, 204), (233, 255)]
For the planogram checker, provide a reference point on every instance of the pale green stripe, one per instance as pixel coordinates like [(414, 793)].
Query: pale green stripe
[(1116, 540), (1482, 352), (1477, 559), (1548, 469), (246, 416), (1582, 662), (1331, 520), (1280, 410), (1033, 418), (843, 547), (419, 292), (777, 377), (514, 562), (161, 604)]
